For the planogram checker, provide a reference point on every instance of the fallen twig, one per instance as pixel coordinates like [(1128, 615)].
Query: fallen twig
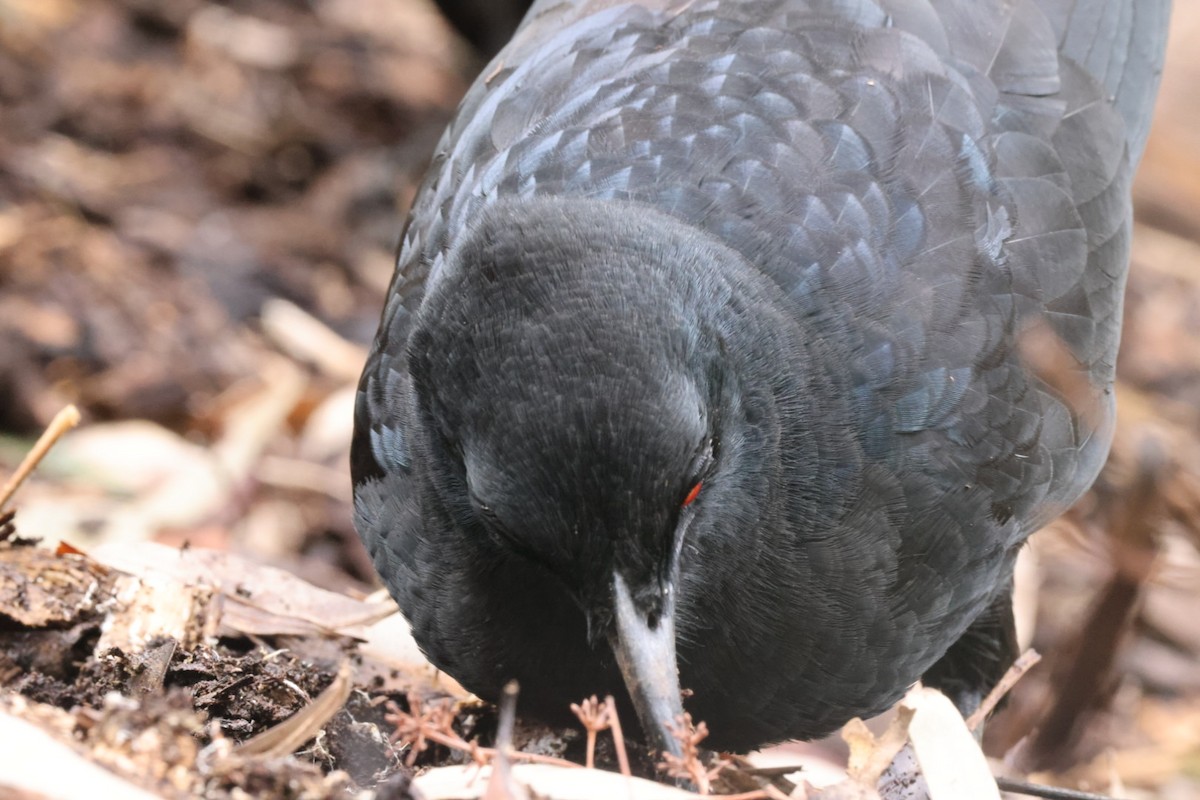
[(1017, 671), (307, 338), (284, 738), (1048, 792), (63, 421), (501, 785)]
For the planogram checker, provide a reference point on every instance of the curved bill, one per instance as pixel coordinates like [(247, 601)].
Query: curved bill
[(646, 657)]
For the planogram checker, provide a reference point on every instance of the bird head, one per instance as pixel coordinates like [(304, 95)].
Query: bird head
[(568, 374)]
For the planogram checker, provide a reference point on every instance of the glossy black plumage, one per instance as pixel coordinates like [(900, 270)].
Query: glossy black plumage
[(806, 236)]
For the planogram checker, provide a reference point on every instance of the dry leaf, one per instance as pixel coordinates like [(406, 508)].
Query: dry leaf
[(950, 759), (560, 783), (39, 587), (257, 599), (37, 765)]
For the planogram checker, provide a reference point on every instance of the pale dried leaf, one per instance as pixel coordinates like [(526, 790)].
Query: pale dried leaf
[(330, 426), (257, 599), (870, 756), (309, 339), (902, 780), (39, 587), (37, 764), (953, 765), (389, 646), (252, 424), (560, 783), (127, 457)]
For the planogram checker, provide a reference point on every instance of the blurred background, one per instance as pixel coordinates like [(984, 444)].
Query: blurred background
[(199, 203)]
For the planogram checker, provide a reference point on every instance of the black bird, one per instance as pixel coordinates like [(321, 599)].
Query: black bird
[(708, 346)]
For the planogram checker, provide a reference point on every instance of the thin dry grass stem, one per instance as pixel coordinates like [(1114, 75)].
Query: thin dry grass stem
[(422, 725), (1017, 671), (1047, 792), (618, 736), (63, 421), (689, 766), (287, 736), (765, 793), (501, 785), (594, 716)]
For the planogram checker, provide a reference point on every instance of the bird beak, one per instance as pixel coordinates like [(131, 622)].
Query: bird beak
[(646, 656)]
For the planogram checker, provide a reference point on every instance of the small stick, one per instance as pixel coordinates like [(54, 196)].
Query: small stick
[(1017, 671), (297, 729), (507, 717), (501, 785), (767, 793), (771, 772), (458, 743), (618, 736), (63, 421), (1048, 792)]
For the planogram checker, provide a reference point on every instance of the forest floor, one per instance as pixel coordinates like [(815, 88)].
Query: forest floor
[(199, 203)]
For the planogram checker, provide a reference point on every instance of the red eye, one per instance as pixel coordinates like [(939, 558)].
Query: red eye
[(693, 494)]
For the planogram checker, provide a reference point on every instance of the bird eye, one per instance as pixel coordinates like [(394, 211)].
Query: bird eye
[(702, 466)]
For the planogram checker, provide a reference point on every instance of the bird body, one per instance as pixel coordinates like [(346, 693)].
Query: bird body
[(713, 318)]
